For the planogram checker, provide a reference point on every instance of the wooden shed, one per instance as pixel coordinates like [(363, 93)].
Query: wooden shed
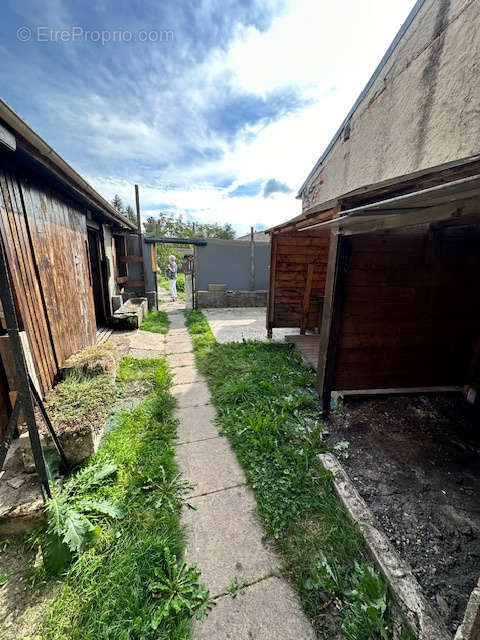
[(399, 282), (59, 238)]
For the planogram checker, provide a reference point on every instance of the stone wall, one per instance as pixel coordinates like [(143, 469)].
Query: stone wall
[(223, 299), (421, 111)]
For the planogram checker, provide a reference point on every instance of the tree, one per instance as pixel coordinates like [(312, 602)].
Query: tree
[(130, 214), (169, 226), (128, 211), (165, 225), (117, 203)]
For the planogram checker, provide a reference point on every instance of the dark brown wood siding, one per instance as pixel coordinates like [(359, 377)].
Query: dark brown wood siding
[(44, 235), (410, 311), (292, 253), (58, 229), (24, 280)]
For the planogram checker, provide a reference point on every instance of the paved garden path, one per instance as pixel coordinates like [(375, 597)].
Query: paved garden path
[(224, 537)]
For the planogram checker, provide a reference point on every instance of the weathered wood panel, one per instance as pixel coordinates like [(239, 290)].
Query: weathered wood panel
[(291, 255), (58, 231), (16, 241), (44, 235), (410, 313)]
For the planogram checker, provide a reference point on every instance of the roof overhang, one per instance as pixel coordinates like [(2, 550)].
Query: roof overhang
[(33, 145), (200, 242), (456, 202)]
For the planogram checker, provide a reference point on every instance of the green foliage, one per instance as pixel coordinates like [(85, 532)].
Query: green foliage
[(106, 593), (235, 587), (364, 613), (156, 322), (69, 529), (180, 590), (170, 226), (4, 578), (127, 211), (202, 336), (268, 407)]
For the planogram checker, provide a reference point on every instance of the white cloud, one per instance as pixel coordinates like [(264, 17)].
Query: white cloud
[(327, 51)]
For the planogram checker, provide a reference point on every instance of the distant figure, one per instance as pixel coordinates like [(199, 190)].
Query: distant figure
[(171, 274)]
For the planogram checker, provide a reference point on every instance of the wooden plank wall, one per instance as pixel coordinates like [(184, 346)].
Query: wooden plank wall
[(410, 310), (28, 296), (58, 229), (293, 253), (44, 235)]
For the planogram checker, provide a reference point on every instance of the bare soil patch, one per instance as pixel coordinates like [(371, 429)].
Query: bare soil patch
[(415, 461), (21, 605)]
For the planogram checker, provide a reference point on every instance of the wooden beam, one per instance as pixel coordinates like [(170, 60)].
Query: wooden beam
[(336, 269), (307, 298), (153, 257), (271, 283), (135, 283), (396, 391)]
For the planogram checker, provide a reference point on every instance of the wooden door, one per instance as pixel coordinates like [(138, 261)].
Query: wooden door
[(97, 276)]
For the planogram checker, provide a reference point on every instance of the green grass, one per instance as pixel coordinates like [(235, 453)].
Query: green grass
[(163, 282), (156, 322), (268, 407), (129, 584)]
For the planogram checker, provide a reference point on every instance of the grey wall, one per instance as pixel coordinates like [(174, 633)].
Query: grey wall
[(421, 111), (228, 262)]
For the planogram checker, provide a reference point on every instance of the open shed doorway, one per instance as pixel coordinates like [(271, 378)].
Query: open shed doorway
[(97, 278)]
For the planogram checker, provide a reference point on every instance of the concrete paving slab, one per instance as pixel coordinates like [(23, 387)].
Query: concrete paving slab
[(147, 340), (242, 323), (181, 359), (225, 539), (196, 425), (177, 321), (180, 344), (146, 353), (210, 465), (191, 394), (185, 375), (264, 611), (178, 331)]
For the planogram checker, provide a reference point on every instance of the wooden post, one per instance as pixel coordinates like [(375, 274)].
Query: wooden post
[(252, 261), (139, 221), (271, 285), (307, 298), (140, 240), (336, 269)]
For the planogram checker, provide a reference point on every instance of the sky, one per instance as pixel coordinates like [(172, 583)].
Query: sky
[(218, 109)]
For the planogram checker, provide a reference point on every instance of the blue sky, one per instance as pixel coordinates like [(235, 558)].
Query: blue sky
[(218, 109)]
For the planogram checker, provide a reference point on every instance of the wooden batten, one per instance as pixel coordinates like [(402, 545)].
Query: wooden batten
[(337, 264)]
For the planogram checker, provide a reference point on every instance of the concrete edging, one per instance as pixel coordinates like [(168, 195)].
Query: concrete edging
[(470, 627), (408, 595)]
